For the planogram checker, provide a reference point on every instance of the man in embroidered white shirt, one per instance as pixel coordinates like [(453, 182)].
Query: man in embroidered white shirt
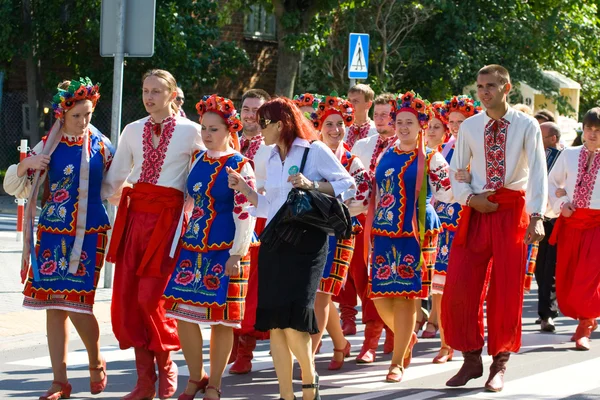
[(369, 151), (506, 198), (361, 97)]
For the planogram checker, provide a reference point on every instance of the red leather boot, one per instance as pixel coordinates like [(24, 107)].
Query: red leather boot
[(167, 375), (472, 368), (243, 362), (373, 331), (495, 382), (146, 380)]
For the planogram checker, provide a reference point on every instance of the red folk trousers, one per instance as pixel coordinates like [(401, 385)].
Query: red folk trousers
[(497, 237), (137, 313), (578, 264)]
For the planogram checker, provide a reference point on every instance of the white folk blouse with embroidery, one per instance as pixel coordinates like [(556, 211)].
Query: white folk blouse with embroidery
[(365, 150), (166, 165), (321, 164), (513, 158), (351, 138), (570, 172)]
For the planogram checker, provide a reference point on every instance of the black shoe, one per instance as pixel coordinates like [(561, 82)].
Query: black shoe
[(314, 386), (538, 321), (547, 325)]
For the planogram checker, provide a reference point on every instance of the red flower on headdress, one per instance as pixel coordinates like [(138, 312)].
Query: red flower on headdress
[(321, 107), (80, 93), (211, 102), (408, 97), (330, 101), (308, 99), (201, 107), (419, 105)]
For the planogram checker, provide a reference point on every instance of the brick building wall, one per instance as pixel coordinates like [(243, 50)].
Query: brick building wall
[(263, 57)]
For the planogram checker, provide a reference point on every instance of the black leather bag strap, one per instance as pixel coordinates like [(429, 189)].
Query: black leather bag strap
[(303, 163)]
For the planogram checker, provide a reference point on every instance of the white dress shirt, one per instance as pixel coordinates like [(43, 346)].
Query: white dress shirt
[(128, 160), (569, 170), (321, 165), (523, 159)]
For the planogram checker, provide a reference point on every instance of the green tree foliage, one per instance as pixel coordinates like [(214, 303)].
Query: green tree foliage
[(66, 37), (437, 46)]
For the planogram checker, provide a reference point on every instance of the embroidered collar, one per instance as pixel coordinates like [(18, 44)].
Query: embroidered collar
[(363, 125), (157, 126)]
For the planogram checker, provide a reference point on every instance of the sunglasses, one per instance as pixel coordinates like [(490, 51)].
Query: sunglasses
[(263, 123), (180, 98)]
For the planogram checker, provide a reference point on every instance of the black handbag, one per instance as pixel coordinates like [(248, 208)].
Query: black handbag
[(304, 209)]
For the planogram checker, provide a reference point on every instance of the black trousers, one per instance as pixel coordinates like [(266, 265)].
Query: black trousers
[(545, 275)]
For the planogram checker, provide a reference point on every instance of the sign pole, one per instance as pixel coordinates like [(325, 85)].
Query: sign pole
[(352, 82), (115, 122)]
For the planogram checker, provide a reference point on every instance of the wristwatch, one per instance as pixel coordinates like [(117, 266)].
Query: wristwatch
[(315, 185)]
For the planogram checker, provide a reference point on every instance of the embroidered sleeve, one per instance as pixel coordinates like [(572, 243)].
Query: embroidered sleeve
[(558, 179), (536, 193), (244, 222), (460, 160), (20, 187), (120, 168), (360, 202), (108, 152), (439, 178)]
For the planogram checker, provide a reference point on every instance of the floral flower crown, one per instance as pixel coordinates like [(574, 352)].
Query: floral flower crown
[(332, 104), (82, 89), (307, 99), (412, 102), (223, 107), (463, 104), (440, 112)]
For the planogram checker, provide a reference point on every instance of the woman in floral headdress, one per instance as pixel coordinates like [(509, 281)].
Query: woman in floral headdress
[(457, 109), (65, 265), (333, 114), (405, 226), (209, 283), (437, 130)]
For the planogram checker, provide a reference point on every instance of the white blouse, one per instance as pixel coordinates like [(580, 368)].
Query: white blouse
[(570, 172), (513, 158), (321, 165), (167, 165)]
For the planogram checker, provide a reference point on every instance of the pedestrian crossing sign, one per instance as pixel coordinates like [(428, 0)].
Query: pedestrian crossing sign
[(358, 56)]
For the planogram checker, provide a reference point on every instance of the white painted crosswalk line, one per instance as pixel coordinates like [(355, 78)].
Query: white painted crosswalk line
[(581, 377)]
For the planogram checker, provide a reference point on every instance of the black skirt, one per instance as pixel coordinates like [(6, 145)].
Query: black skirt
[(288, 278)]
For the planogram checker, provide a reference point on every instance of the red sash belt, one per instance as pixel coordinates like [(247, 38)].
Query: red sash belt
[(507, 200), (148, 198), (582, 218)]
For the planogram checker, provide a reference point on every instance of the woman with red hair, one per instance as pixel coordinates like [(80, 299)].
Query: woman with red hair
[(289, 275)]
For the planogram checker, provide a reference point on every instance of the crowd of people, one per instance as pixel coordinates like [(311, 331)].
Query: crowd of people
[(446, 200)]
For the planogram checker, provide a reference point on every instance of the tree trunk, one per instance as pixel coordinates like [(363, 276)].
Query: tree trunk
[(32, 74), (287, 66)]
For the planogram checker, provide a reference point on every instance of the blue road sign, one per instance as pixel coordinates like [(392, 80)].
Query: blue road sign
[(358, 56)]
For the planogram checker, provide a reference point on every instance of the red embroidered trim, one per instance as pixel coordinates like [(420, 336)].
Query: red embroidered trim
[(249, 147), (357, 132), (495, 153), (586, 179), (380, 147), (154, 158)]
